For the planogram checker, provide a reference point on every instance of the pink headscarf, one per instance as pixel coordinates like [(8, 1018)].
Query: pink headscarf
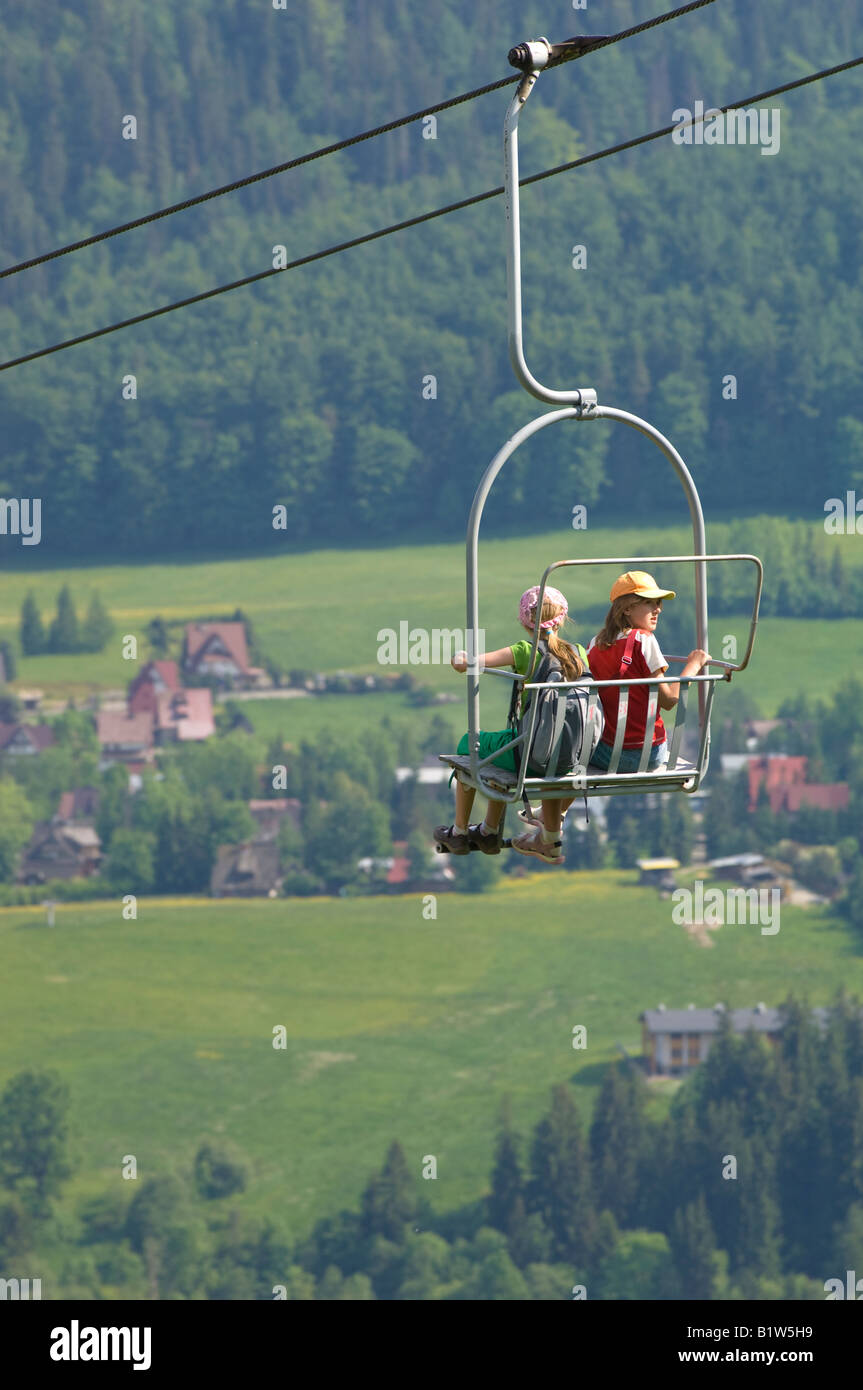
[(527, 608)]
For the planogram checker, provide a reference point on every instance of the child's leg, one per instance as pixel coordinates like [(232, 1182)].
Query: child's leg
[(464, 798), (494, 814), (553, 813)]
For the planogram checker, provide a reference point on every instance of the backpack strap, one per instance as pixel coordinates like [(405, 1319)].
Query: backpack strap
[(626, 659), (513, 719)]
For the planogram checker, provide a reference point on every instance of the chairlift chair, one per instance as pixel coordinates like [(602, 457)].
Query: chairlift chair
[(581, 405)]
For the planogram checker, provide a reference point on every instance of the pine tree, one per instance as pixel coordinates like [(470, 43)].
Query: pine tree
[(98, 626), (389, 1201), (560, 1186), (507, 1181), (10, 666), (756, 1249), (64, 635), (31, 632), (693, 1250), (617, 1140)]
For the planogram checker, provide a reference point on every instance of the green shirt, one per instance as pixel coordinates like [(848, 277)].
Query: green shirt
[(521, 656)]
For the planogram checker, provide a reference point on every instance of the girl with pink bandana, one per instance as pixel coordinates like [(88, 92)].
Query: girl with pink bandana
[(545, 843)]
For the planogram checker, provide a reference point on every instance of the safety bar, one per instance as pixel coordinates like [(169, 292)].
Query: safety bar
[(577, 777), (630, 562)]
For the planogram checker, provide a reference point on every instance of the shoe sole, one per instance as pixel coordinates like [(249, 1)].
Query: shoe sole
[(535, 854)]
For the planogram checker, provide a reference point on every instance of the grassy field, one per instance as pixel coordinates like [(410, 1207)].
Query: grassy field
[(397, 1027), (361, 592)]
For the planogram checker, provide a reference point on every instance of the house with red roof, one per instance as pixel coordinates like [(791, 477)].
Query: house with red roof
[(176, 714), (125, 738), (81, 803), (220, 650), (182, 715), (784, 778), (25, 739), (154, 679)]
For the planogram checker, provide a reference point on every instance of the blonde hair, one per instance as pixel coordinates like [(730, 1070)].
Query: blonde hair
[(570, 661), (616, 620)]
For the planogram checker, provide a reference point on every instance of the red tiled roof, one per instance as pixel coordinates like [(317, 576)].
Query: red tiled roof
[(80, 801), (777, 772), (825, 796), (233, 635), (142, 690), (40, 735), (136, 729), (190, 712), (787, 788)]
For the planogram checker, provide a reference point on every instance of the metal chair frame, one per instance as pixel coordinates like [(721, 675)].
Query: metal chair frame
[(581, 404)]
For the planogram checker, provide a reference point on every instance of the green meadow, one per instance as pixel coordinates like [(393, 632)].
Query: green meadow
[(324, 611), (397, 1026)]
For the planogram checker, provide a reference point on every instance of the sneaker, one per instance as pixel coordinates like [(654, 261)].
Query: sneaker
[(448, 842), (488, 844), (539, 848)]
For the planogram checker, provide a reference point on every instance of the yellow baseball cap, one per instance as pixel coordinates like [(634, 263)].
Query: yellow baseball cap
[(641, 584)]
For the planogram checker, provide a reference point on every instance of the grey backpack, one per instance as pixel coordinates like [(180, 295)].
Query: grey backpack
[(567, 731)]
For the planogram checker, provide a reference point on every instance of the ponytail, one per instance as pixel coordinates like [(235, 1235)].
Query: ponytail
[(570, 661)]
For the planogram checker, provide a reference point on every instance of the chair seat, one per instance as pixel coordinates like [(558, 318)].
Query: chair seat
[(598, 780)]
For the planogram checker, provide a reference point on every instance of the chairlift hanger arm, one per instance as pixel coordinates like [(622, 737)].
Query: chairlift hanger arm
[(583, 398)]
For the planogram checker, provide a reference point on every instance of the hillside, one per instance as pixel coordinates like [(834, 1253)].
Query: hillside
[(397, 1026)]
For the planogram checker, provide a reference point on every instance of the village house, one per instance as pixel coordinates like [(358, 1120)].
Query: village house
[(155, 678), (23, 740), (124, 738), (674, 1041), (249, 870), (178, 715), (81, 803), (219, 650), (743, 868), (784, 778), (58, 849), (182, 716), (658, 873), (268, 815)]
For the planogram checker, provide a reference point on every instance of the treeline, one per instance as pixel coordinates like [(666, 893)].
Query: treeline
[(750, 1189), (66, 633), (702, 264)]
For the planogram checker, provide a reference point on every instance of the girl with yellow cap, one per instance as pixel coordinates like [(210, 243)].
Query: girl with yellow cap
[(627, 646)]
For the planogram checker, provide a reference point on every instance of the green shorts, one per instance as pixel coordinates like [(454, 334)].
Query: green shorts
[(488, 744)]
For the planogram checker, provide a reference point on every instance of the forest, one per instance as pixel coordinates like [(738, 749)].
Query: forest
[(702, 263), (625, 1208)]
